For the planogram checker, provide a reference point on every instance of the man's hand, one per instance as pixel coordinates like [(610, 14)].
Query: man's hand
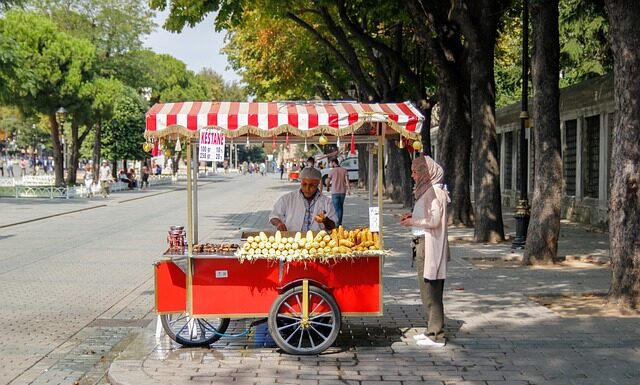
[(328, 224), (319, 218), (406, 220), (278, 224)]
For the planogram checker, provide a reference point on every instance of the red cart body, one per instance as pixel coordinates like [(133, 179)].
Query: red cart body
[(226, 287)]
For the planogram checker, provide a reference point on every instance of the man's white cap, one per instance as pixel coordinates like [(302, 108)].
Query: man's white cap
[(310, 173)]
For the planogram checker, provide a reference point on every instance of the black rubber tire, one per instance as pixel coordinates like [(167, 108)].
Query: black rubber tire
[(205, 330), (285, 326)]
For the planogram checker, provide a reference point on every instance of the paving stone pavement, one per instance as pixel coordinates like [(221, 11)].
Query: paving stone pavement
[(496, 333), (75, 278)]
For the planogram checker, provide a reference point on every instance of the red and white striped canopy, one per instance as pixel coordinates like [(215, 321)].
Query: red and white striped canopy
[(275, 118)]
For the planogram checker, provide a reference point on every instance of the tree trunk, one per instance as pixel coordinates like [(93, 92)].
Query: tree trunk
[(96, 152), (544, 228), (426, 107), (398, 174), (57, 150), (479, 23), (442, 41), (74, 155), (624, 214), (454, 145)]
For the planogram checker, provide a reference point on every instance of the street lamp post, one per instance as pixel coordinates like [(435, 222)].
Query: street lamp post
[(522, 209)]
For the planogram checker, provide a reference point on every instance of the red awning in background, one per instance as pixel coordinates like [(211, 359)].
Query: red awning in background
[(275, 118)]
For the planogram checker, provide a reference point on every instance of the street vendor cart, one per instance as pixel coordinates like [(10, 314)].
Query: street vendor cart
[(302, 283), (293, 175)]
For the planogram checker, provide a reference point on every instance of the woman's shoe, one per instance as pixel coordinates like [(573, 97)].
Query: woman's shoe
[(420, 337), (429, 342)]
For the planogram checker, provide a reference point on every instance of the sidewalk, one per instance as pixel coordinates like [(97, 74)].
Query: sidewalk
[(496, 333), (21, 210)]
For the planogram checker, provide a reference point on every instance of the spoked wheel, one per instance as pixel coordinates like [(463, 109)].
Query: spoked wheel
[(188, 331), (296, 334)]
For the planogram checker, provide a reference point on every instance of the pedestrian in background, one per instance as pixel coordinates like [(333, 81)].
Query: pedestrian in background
[(281, 170), (428, 223), (105, 178), (263, 168), (310, 162), (10, 166), (133, 181), (145, 178), (88, 180), (338, 185), (23, 167), (2, 167)]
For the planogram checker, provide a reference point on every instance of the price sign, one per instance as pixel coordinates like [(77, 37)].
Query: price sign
[(374, 219), (211, 145)]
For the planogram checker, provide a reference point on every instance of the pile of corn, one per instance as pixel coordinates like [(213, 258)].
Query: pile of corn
[(339, 242)]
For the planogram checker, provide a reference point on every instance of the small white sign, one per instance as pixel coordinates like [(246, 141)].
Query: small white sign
[(222, 274), (211, 145), (374, 219)]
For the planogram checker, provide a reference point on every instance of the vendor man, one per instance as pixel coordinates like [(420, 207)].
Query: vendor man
[(306, 208)]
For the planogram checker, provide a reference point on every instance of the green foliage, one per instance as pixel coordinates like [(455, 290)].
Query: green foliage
[(112, 26), (189, 12), (33, 135), (133, 68), (21, 133), (168, 77), (217, 89), (235, 92), (508, 61), (584, 46), (280, 66), (103, 94), (324, 49), (122, 135), (54, 64), (6, 5), (251, 154), (11, 63)]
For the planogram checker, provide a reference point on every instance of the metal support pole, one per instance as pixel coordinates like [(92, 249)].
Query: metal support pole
[(370, 148), (522, 209), (196, 166), (381, 136), (189, 232)]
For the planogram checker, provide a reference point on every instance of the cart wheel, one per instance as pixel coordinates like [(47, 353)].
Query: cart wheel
[(297, 336), (189, 331)]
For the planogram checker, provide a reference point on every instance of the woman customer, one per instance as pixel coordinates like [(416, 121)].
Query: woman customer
[(428, 223)]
